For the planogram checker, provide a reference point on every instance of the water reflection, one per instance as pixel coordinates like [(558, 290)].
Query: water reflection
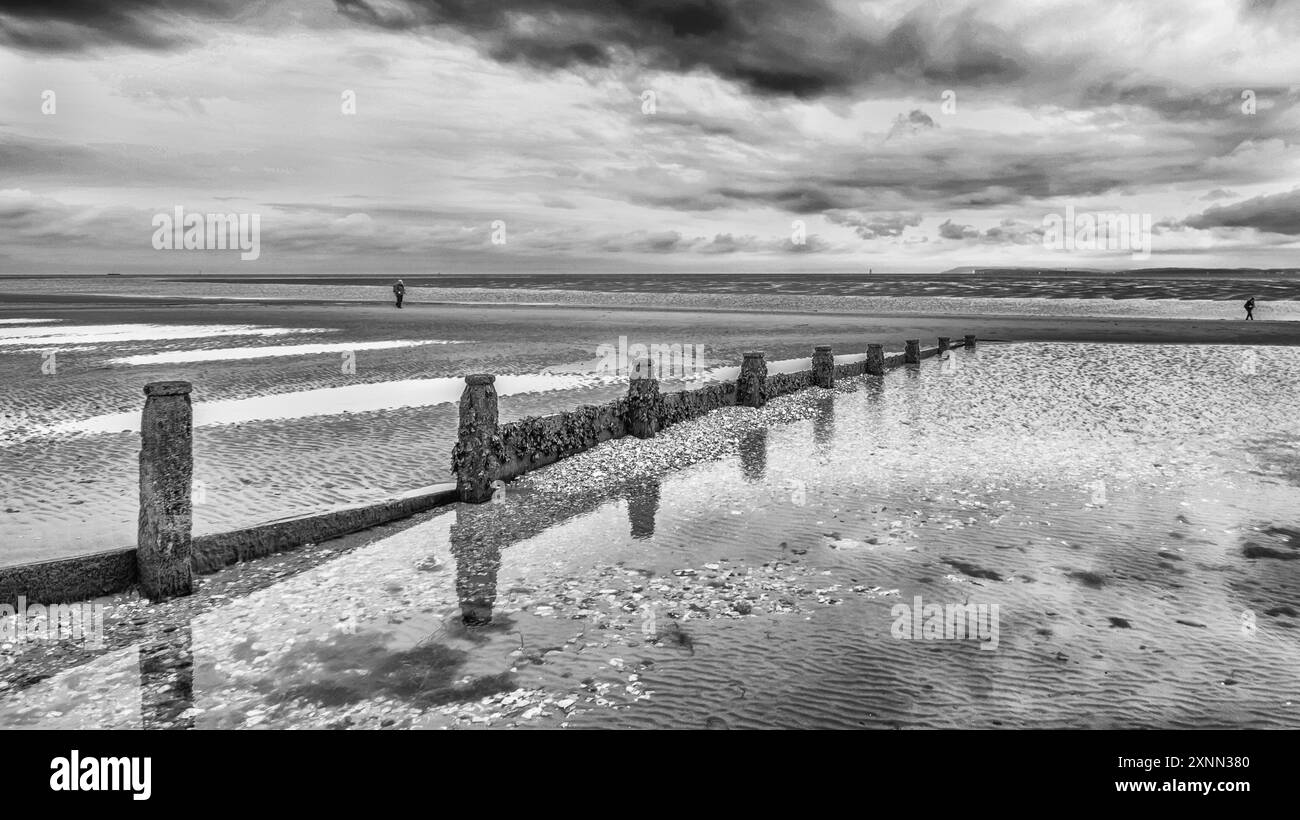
[(1078, 602), (478, 560), (753, 455), (642, 507), (872, 389), (824, 420), (167, 679)]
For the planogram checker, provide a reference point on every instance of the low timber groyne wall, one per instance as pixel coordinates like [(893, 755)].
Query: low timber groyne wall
[(167, 556)]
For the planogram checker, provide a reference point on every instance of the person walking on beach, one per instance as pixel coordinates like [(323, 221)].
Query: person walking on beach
[(1250, 309), (399, 290)]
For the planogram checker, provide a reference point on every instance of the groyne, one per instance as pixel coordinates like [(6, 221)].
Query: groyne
[(487, 454)]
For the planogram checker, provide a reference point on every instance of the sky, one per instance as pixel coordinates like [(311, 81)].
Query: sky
[(464, 136)]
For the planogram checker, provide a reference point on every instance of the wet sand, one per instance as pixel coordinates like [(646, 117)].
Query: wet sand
[(76, 493), (1133, 521), (557, 324)]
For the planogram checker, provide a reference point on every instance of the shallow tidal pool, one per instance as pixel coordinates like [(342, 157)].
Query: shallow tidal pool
[(1132, 512)]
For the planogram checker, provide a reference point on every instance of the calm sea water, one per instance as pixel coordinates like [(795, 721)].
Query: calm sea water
[(1155, 284), (1187, 294)]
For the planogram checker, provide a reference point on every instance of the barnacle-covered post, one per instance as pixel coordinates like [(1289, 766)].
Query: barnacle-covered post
[(643, 400), (912, 355), (876, 360), (944, 344), (477, 456), (163, 547), (970, 341), (823, 365), (751, 385)]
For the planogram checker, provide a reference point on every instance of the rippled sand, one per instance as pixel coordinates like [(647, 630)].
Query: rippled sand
[(294, 451)]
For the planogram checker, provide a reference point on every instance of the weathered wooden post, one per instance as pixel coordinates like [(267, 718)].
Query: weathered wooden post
[(823, 366), (751, 385), (944, 344), (970, 341), (643, 400), (162, 555), (478, 452), (912, 355), (876, 360)]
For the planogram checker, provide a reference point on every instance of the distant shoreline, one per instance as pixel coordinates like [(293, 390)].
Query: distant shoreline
[(650, 278), (1228, 288)]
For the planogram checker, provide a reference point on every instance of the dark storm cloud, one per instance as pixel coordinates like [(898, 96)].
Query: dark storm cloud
[(1233, 112), (40, 221), (74, 25), (1170, 103), (796, 199), (1218, 193), (1272, 213), (1012, 232), (913, 123), (379, 211), (951, 230), (938, 180), (20, 155), (805, 49), (41, 161), (1276, 12), (875, 226), (662, 242), (707, 126)]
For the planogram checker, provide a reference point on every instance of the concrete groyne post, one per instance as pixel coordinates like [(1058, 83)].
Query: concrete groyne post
[(876, 360), (477, 454), (912, 355), (944, 344), (163, 548), (823, 366), (643, 400), (970, 341), (751, 385)]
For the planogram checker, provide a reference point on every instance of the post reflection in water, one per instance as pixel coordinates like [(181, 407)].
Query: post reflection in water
[(753, 455), (476, 550), (167, 679), (642, 507), (824, 420)]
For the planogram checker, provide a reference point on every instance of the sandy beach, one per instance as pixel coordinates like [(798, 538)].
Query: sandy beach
[(1125, 507), (404, 366), (686, 365)]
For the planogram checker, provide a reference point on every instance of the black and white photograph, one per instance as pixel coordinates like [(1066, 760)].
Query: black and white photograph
[(561, 365)]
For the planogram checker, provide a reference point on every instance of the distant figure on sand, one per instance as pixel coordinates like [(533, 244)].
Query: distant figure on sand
[(399, 290), (1250, 308)]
